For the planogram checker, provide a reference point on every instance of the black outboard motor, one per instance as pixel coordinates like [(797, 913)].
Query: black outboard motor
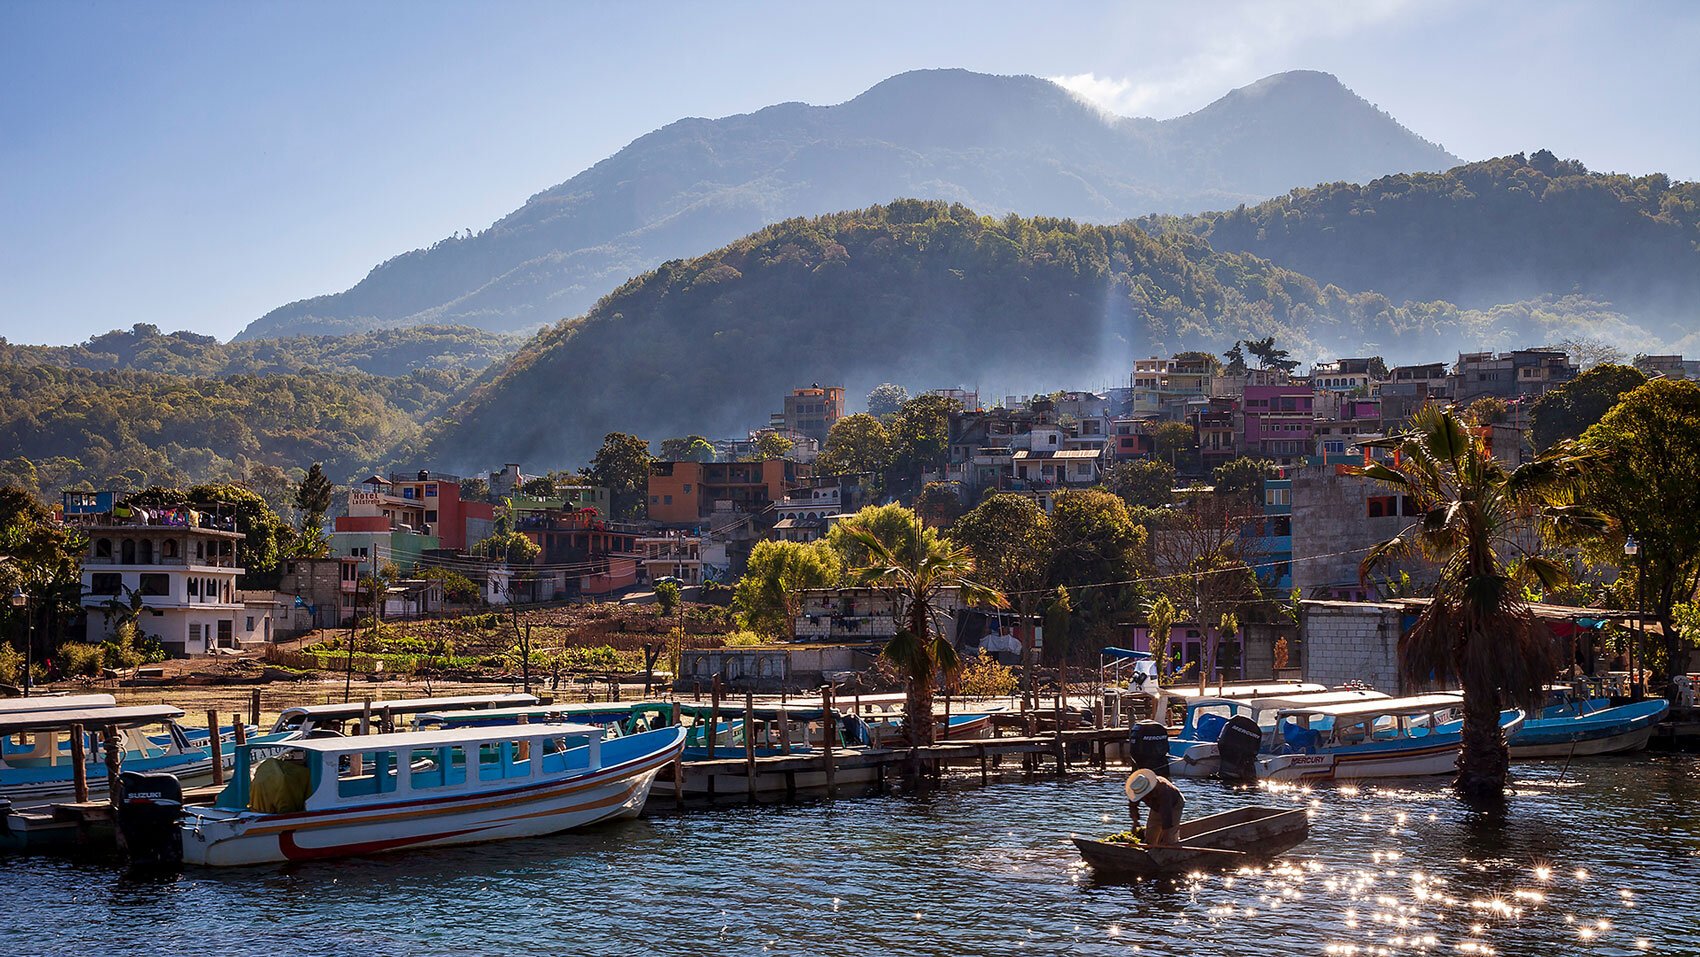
[(1150, 745), (1237, 747), (148, 808)]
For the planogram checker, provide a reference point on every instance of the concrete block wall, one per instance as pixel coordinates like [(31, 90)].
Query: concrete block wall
[(1351, 641)]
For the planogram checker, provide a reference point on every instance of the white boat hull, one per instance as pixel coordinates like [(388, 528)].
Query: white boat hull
[(1625, 743), (231, 839), (1339, 766)]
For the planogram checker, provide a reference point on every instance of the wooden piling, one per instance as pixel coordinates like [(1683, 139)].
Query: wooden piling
[(214, 746), (254, 708), (79, 769), (678, 767), (713, 715), (750, 743), (241, 730), (784, 729), (830, 719), (114, 756)]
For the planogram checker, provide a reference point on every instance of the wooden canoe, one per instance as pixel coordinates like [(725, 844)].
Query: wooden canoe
[(1221, 840)]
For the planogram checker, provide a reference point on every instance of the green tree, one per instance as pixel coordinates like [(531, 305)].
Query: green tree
[(770, 594), (1270, 356), (313, 497), (855, 445), (897, 527), (1567, 411), (1477, 631), (539, 487), (1099, 552), (772, 445), (920, 435), (1013, 546), (1160, 617), (40, 557), (621, 466), (1171, 439), (511, 547), (691, 448), (1649, 448), (1487, 410), (1144, 483), (918, 573), (1058, 612), (1241, 481), (456, 587), (667, 598), (886, 399), (1236, 360)]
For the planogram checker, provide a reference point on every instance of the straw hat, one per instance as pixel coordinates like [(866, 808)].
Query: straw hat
[(1140, 783)]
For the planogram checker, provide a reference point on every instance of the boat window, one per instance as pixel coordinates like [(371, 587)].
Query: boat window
[(437, 767), (365, 773)]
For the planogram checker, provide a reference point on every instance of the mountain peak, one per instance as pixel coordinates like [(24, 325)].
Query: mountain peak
[(999, 144)]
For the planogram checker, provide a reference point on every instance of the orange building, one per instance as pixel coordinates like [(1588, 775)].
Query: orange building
[(684, 493), (812, 411)]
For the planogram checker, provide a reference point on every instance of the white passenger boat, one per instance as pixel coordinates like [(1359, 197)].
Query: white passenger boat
[(1388, 738), (386, 792), (36, 766), (1194, 753)]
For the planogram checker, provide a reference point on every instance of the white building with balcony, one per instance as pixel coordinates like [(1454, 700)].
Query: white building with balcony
[(184, 574)]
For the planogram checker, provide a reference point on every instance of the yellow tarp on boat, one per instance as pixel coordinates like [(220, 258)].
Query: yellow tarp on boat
[(280, 787)]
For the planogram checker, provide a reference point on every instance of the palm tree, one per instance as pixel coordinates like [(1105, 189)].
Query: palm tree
[(1478, 523), (917, 570)]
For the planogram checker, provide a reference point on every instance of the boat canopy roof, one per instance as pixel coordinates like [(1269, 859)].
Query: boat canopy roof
[(1302, 700), (1267, 689), (130, 717), (796, 711), (1380, 706), (561, 711), (64, 702), (354, 709), (433, 739)]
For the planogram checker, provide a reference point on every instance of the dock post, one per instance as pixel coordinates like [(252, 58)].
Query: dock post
[(366, 716), (784, 729), (254, 708), (213, 748), (750, 743), (713, 715), (1098, 739), (241, 730), (79, 770), (982, 764), (114, 758), (678, 768), (830, 719)]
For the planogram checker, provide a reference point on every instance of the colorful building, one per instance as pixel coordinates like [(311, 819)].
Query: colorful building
[(685, 493)]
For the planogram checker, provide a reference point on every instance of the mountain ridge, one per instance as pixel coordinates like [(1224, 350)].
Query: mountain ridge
[(1001, 144)]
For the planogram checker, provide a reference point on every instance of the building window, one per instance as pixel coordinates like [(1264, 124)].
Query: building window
[(103, 548), (168, 549), (250, 623), (687, 488), (667, 499), (194, 631), (106, 583), (430, 491), (194, 587), (127, 552), (431, 515), (154, 585)]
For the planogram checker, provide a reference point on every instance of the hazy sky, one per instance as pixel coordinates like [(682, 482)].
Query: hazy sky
[(194, 165)]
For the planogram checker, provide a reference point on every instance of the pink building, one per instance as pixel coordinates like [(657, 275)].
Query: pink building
[(1279, 422)]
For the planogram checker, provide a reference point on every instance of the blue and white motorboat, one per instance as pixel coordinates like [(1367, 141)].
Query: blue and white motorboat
[(1386, 738), (1193, 753), (1576, 726), (37, 769)]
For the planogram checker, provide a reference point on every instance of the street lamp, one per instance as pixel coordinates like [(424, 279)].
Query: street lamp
[(1632, 550), (21, 601)]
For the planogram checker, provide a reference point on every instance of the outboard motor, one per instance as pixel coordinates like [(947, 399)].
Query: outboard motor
[(148, 808), (1150, 745), (1237, 748)]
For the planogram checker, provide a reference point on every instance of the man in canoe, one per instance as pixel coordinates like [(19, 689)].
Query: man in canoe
[(1146, 787)]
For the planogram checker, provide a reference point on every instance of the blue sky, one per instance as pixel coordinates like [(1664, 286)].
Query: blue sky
[(194, 165)]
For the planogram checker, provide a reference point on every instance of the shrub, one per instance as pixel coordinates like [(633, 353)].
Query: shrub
[(80, 658), (983, 677), (11, 664), (744, 639)]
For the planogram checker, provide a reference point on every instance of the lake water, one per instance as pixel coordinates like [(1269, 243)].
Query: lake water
[(1600, 859)]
